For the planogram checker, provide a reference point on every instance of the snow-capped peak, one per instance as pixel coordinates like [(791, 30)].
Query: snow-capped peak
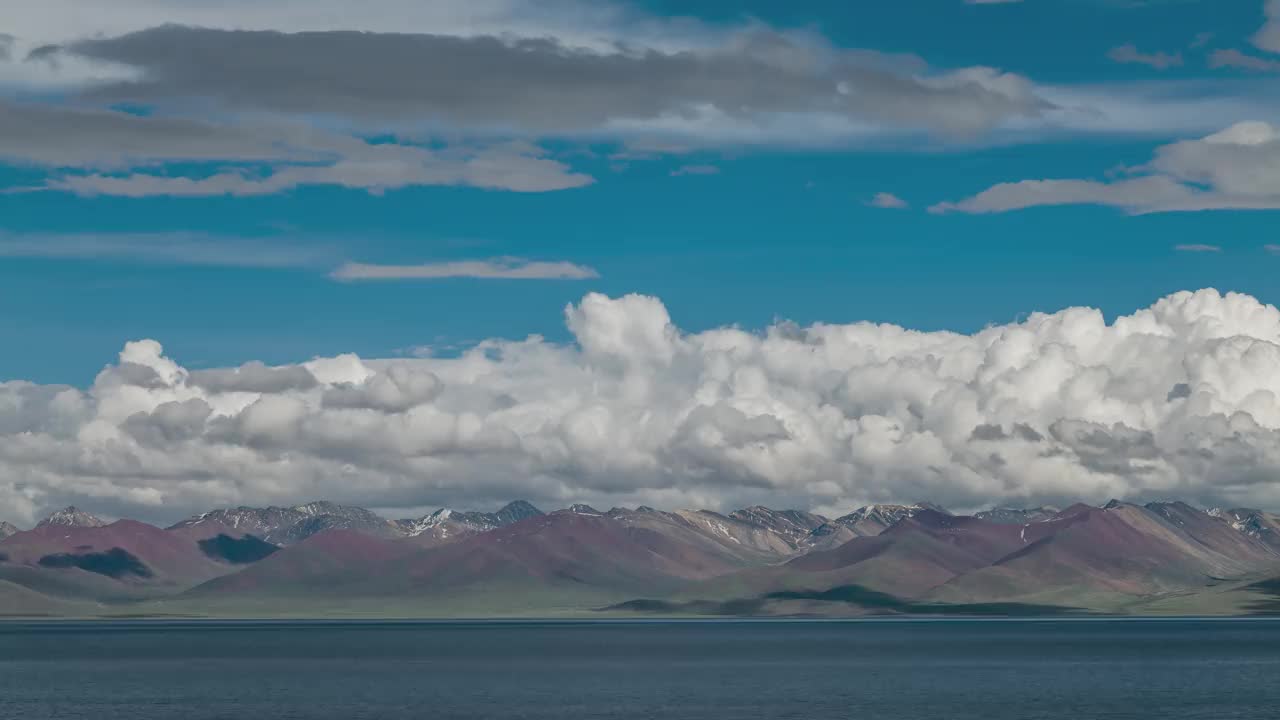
[(72, 517)]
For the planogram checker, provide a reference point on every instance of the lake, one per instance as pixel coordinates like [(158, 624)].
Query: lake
[(941, 670)]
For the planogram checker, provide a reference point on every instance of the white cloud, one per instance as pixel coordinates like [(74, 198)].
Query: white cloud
[(495, 269), (1235, 169), (636, 411), (1198, 248)]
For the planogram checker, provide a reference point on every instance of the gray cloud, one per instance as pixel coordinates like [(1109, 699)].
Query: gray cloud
[(1268, 38), (1235, 59), (1026, 432), (395, 389), (992, 433), (888, 201), (44, 53), (1235, 169), (495, 269), (695, 170), (266, 158), (169, 423), (1130, 54), (133, 374), (168, 249), (1130, 194), (72, 136), (988, 432), (540, 85), (1118, 449), (1232, 58), (253, 377)]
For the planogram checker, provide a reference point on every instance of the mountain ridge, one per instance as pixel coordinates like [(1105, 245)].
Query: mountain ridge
[(321, 558)]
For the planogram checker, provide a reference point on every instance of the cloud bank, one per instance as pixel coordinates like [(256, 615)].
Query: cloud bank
[(237, 98), (1176, 400)]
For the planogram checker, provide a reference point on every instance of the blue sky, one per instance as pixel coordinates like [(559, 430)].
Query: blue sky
[(762, 229)]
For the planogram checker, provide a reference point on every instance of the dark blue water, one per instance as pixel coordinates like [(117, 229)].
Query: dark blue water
[(941, 670)]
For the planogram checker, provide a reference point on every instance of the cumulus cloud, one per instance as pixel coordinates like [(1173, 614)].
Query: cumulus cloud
[(396, 389), (1175, 400), (1235, 169)]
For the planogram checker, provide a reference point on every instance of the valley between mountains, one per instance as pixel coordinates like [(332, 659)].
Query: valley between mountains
[(327, 560)]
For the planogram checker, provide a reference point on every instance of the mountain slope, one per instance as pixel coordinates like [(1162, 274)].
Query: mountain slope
[(1264, 526), (878, 559), (908, 559), (742, 542), (1117, 552), (866, 521), (20, 601), (1084, 556), (566, 559), (1018, 516), (283, 525), (792, 526), (121, 562)]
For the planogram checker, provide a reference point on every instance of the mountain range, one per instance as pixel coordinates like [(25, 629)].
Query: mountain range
[(325, 559)]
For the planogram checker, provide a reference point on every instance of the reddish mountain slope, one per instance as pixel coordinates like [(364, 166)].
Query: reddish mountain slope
[(325, 561), (1120, 550), (167, 557), (565, 549)]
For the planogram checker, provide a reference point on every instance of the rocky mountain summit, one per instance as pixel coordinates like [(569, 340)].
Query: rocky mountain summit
[(71, 517)]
